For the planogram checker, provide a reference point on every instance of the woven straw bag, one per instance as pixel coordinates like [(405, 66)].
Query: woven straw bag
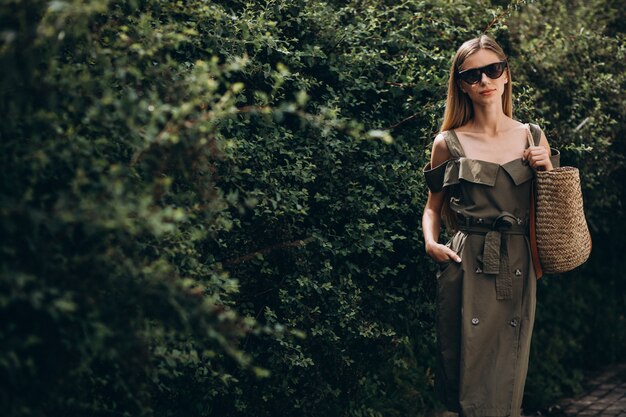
[(560, 239)]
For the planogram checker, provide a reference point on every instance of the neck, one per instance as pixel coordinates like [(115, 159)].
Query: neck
[(489, 119)]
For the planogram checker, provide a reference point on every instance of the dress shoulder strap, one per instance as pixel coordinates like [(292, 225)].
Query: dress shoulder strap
[(454, 145)]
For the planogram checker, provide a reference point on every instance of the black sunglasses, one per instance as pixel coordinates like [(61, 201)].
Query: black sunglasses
[(474, 75)]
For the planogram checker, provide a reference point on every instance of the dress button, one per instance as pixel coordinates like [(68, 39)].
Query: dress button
[(479, 271), (518, 272), (480, 221), (513, 323), (475, 321)]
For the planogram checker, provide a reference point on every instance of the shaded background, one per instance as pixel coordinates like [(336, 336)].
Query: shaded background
[(213, 208)]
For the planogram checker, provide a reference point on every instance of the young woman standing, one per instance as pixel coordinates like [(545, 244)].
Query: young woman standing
[(479, 179)]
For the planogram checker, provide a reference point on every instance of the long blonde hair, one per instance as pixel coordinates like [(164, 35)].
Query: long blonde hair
[(459, 107)]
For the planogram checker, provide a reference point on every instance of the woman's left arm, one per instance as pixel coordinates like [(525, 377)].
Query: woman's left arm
[(539, 156)]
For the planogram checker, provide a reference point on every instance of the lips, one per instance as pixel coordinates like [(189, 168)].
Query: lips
[(486, 92)]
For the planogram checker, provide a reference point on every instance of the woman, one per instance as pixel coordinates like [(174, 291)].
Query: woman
[(479, 180)]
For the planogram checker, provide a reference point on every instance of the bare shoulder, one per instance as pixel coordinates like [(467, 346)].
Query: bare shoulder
[(440, 152), (440, 141), (517, 124)]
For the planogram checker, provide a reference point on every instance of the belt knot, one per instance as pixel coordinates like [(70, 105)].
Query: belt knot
[(495, 251)]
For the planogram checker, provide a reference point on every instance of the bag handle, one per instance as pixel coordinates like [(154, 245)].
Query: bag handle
[(533, 225), (534, 251), (529, 136)]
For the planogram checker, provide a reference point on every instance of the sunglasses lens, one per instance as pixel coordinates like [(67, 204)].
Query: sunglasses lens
[(494, 71), (471, 76)]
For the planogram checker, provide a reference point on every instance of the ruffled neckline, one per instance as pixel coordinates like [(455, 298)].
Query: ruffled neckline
[(482, 161), (476, 171)]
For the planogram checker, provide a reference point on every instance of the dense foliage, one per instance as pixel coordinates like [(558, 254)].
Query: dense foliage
[(571, 62), (213, 208)]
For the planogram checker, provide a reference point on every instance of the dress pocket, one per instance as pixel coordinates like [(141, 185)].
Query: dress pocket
[(455, 243), (444, 267)]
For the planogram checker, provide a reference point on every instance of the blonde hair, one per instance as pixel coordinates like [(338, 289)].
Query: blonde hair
[(459, 107)]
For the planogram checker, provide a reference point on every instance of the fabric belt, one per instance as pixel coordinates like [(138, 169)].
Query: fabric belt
[(495, 251)]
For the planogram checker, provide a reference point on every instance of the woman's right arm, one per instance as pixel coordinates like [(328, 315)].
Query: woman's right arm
[(431, 219)]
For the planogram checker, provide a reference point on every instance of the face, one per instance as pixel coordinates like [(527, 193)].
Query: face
[(487, 89)]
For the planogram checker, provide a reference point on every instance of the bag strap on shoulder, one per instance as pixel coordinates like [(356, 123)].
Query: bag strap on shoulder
[(535, 130)]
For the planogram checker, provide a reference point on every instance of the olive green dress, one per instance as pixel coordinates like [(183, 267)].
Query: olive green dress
[(486, 303)]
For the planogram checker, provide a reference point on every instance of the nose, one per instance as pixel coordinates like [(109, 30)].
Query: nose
[(484, 78)]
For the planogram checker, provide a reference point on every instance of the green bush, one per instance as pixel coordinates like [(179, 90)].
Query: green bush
[(213, 208), (571, 62)]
